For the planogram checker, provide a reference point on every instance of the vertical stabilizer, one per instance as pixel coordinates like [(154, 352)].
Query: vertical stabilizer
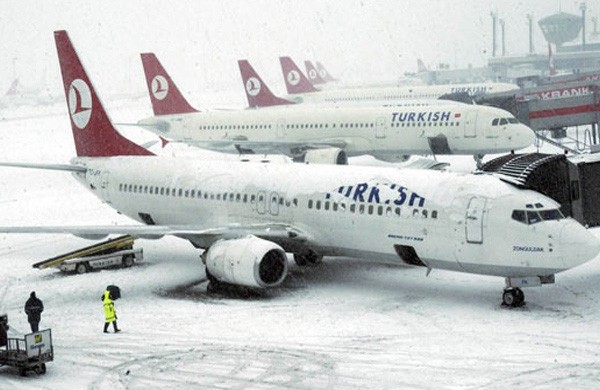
[(165, 96), (325, 75), (295, 81), (93, 132), (314, 76), (257, 92)]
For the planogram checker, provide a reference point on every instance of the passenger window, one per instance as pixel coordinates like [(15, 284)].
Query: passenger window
[(424, 213), (318, 205), (434, 214), (380, 210), (334, 206), (495, 122), (310, 203), (370, 209), (398, 211), (352, 207), (326, 205)]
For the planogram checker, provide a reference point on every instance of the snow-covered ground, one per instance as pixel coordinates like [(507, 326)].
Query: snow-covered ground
[(343, 324)]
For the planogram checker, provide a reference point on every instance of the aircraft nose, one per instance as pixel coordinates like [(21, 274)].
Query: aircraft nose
[(524, 137), (579, 244)]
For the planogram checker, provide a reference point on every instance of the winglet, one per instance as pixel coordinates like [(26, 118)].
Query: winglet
[(165, 96), (93, 132), (295, 81), (325, 75), (314, 76), (257, 92)]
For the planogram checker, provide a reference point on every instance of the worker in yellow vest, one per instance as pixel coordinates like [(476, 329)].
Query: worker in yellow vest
[(109, 312)]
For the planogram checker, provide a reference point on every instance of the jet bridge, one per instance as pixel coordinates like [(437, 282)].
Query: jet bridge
[(572, 181), (550, 109)]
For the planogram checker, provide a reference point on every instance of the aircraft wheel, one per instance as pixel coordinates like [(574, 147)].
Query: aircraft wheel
[(513, 297), (300, 259), (41, 369), (308, 257), (81, 268)]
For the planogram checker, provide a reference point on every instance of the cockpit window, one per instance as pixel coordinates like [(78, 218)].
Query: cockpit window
[(503, 121), (519, 215), (551, 215), (529, 217), (495, 122), (533, 217), (513, 120)]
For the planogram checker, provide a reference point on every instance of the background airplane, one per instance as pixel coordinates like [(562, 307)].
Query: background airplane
[(325, 134)]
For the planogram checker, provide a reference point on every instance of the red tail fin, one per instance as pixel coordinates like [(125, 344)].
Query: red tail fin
[(164, 94), (94, 135), (324, 73), (295, 81), (314, 76), (257, 92)]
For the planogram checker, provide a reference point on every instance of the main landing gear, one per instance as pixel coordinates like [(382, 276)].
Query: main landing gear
[(513, 297)]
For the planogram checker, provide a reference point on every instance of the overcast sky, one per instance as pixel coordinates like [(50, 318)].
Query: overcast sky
[(200, 41)]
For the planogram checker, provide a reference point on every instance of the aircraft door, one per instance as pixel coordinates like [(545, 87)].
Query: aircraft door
[(274, 203), (281, 130), (380, 128), (470, 124), (261, 202), (474, 220)]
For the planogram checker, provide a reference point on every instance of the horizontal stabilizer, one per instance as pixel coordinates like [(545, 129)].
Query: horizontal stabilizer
[(54, 167)]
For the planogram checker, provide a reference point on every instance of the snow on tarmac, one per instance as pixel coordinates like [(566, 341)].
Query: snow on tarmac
[(343, 324)]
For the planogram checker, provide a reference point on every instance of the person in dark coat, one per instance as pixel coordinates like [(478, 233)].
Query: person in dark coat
[(34, 308)]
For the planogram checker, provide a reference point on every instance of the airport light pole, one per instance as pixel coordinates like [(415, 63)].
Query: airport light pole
[(530, 23), (583, 8), (494, 16)]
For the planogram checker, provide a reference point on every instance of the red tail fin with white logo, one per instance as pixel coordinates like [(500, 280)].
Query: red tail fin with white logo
[(165, 96), (325, 75), (314, 76), (295, 81), (93, 132), (257, 92)]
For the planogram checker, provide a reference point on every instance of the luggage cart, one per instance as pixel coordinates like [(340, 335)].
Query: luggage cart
[(30, 353)]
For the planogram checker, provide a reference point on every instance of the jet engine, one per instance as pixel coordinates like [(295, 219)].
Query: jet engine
[(248, 261), (326, 156)]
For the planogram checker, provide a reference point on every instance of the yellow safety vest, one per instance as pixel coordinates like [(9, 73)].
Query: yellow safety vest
[(109, 308)]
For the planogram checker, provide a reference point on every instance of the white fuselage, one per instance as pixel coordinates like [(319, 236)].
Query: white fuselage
[(398, 93), (388, 133), (452, 221)]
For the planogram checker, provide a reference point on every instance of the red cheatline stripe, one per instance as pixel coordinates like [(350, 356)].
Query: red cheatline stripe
[(564, 111)]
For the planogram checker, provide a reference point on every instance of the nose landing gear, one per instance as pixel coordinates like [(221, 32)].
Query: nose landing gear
[(513, 297)]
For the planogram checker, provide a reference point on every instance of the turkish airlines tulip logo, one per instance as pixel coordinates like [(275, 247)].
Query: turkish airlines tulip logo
[(253, 86), (80, 103), (312, 74), (160, 87), (293, 77)]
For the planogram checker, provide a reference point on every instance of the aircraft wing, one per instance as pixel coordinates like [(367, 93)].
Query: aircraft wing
[(282, 234), (289, 148)]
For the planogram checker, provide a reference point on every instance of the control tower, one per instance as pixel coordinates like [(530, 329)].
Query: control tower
[(560, 28)]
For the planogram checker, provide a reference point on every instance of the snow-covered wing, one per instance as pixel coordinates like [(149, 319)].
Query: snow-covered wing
[(280, 233), (289, 148)]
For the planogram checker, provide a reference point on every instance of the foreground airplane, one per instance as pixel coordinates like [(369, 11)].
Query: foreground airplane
[(328, 134), (301, 90), (248, 215)]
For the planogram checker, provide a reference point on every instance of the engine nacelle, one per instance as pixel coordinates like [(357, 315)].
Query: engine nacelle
[(326, 156), (248, 261)]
